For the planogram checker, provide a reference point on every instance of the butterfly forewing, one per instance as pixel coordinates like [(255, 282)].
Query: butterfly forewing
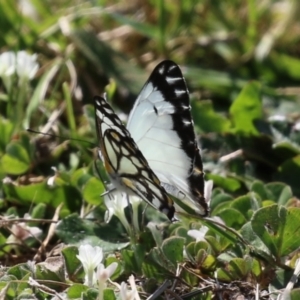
[(161, 124), (124, 162)]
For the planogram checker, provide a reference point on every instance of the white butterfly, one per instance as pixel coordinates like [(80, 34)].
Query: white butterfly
[(158, 153)]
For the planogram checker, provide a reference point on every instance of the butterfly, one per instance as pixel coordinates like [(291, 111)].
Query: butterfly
[(157, 154)]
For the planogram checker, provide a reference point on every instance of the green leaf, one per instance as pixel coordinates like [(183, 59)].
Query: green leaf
[(74, 230), (80, 177), (216, 244), (281, 280), (41, 89), (207, 119), (72, 263), (200, 257), (190, 278), (6, 129), (247, 108), (108, 294), (237, 269), (286, 146), (260, 188), (289, 172), (156, 265), (256, 268), (172, 248), (130, 263), (257, 247), (220, 200), (230, 236), (247, 204), (220, 82), (76, 290), (278, 228), (10, 288), (286, 65), (151, 270), (92, 191), (227, 183), (42, 193), (38, 212), (16, 160), (90, 294), (190, 251), (148, 30), (20, 271), (182, 232), (280, 192), (295, 294), (201, 245), (232, 218), (209, 263)]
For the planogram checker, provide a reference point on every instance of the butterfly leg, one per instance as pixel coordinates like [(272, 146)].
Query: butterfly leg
[(143, 215), (130, 211)]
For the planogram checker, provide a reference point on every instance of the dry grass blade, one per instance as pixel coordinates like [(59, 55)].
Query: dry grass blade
[(50, 234)]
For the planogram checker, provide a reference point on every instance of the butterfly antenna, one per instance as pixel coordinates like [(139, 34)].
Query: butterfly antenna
[(58, 136), (107, 191)]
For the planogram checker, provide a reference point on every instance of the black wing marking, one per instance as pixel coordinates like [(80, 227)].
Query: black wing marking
[(124, 162), (165, 95)]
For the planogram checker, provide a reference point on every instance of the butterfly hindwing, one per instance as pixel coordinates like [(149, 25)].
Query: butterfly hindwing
[(161, 124), (124, 162)]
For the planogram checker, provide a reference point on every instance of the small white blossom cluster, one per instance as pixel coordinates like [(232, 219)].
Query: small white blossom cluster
[(91, 258), (116, 205), (20, 63)]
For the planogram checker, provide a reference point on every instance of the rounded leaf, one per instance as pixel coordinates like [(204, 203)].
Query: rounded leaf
[(16, 159), (173, 249)]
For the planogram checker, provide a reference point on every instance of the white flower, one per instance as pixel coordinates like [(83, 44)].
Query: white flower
[(90, 258), (135, 202), (28, 9), (125, 293), (133, 287), (51, 180), (103, 274), (297, 126), (26, 65), (116, 204), (7, 63), (198, 234), (20, 63), (277, 118), (208, 186)]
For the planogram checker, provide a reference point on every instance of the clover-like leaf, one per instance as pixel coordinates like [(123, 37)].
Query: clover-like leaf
[(278, 228), (172, 248)]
